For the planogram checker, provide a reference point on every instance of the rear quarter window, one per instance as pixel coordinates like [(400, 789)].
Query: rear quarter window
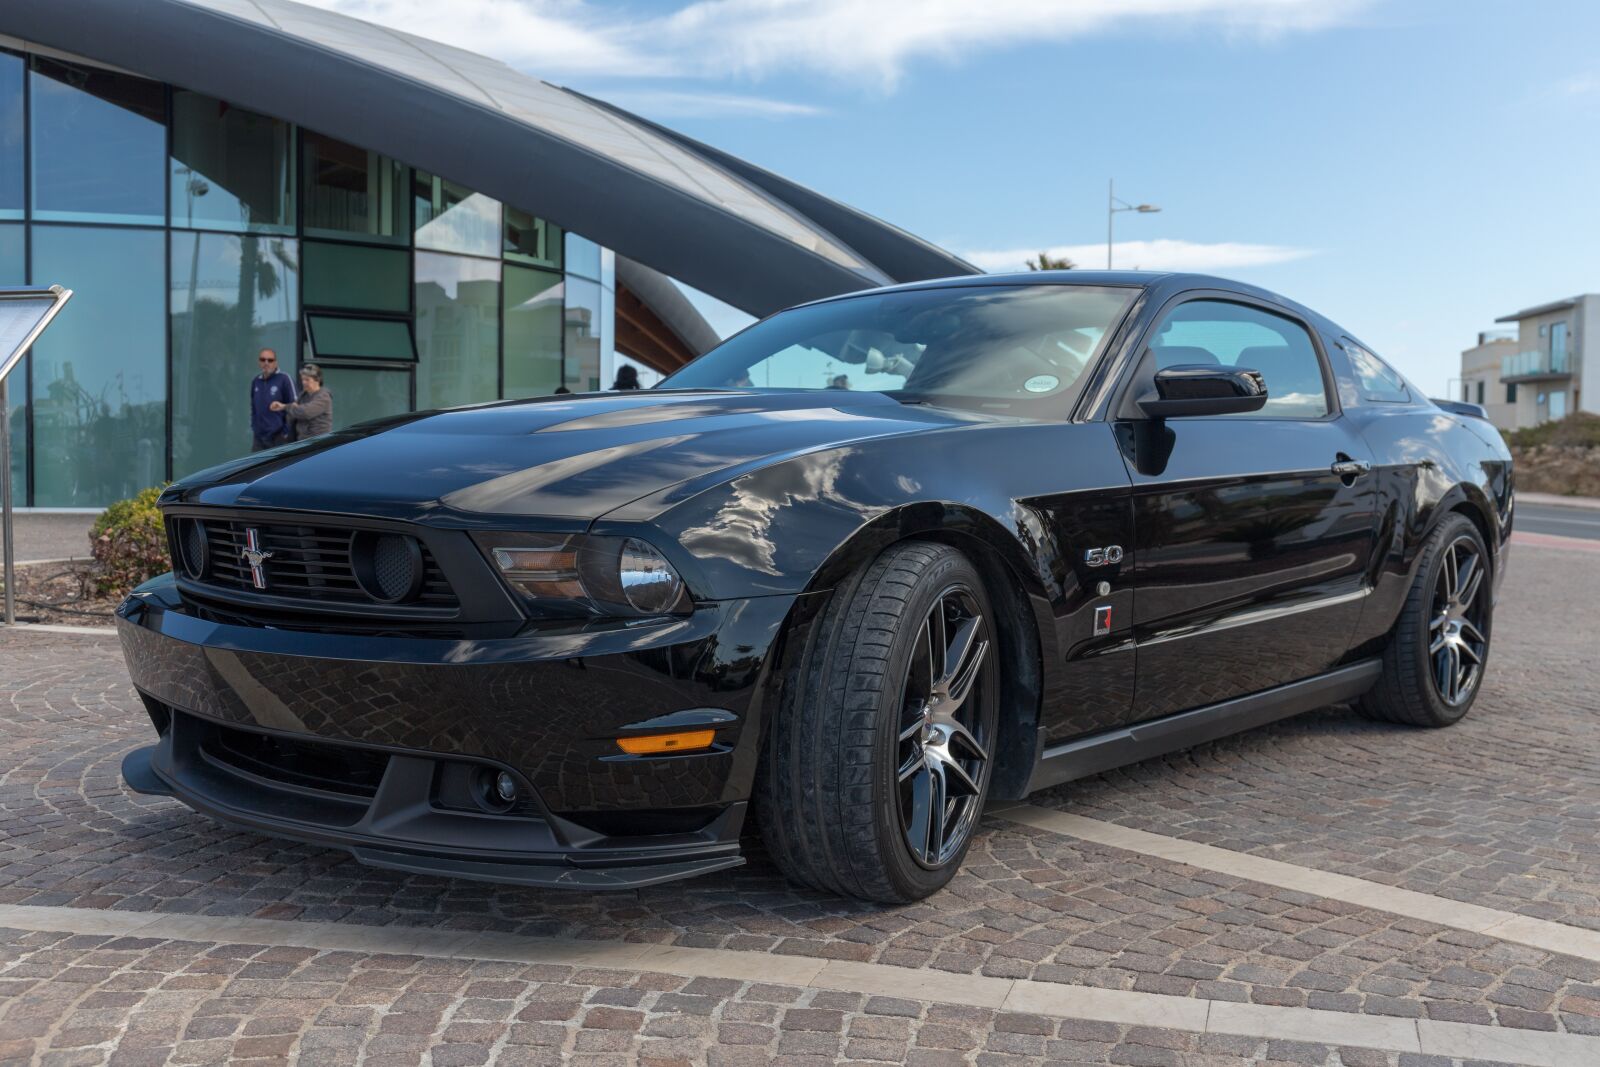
[(1375, 379)]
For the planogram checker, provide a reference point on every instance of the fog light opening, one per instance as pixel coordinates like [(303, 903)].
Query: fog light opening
[(660, 744), (495, 791)]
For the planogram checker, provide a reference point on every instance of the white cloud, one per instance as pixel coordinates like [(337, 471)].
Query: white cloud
[(1580, 85), (873, 42), (1148, 255), (546, 38), (857, 41), (670, 103)]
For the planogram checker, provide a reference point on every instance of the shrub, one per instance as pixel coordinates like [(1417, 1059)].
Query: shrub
[(129, 543), (1578, 430)]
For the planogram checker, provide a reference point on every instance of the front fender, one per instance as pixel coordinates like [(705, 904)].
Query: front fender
[(803, 521), (1023, 499)]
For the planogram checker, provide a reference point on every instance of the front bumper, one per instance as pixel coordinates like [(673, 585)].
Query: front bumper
[(374, 743)]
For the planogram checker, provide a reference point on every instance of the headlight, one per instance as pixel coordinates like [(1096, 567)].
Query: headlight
[(568, 574)]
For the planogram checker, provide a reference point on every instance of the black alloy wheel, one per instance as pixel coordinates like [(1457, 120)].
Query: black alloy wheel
[(879, 758), (943, 747), (1459, 644), (1434, 663)]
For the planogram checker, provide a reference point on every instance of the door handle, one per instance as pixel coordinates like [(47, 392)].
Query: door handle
[(1350, 468)]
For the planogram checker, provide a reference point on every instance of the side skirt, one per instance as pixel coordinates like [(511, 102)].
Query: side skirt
[(1085, 756)]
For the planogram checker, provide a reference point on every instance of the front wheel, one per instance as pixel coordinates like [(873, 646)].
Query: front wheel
[(878, 761), (1434, 664)]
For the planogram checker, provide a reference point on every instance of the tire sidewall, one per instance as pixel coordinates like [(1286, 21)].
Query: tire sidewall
[(905, 874)]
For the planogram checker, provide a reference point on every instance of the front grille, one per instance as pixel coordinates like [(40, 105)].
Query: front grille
[(312, 562)]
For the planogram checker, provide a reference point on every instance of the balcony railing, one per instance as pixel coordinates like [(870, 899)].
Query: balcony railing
[(1534, 364)]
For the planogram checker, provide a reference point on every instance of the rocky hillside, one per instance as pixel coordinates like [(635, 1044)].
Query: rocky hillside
[(1559, 457)]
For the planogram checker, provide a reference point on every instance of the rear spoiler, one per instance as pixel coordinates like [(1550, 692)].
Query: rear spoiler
[(1461, 407)]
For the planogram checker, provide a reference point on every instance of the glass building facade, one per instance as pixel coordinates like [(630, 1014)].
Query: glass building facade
[(195, 232)]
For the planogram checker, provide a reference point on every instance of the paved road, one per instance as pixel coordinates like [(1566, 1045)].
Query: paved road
[(1562, 521), (1323, 891)]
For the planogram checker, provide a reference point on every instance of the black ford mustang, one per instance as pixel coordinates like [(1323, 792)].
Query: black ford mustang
[(870, 563)]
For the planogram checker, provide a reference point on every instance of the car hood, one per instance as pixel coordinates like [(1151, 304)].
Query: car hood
[(565, 458)]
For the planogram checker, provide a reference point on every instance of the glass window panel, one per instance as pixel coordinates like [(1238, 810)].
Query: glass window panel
[(458, 330), (10, 138), (582, 336), (453, 218), (232, 169), (530, 239), (341, 338), (99, 372), (352, 192), (231, 296), (13, 271), (533, 317), (358, 278), (13, 267), (583, 256), (1237, 335), (99, 145), (1378, 380), (361, 393)]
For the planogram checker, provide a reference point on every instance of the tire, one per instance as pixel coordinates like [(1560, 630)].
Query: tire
[(1418, 686), (874, 721)]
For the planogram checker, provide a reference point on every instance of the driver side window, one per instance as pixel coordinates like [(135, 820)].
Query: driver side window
[(1238, 335)]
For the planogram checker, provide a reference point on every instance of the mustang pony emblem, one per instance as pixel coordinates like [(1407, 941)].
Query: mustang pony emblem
[(252, 554)]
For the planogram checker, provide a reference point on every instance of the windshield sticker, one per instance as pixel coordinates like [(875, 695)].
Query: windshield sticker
[(1041, 383)]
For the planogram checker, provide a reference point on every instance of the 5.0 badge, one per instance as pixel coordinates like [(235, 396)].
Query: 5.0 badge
[(1103, 557)]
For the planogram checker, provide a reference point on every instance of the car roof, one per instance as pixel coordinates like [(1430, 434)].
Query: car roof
[(1166, 282)]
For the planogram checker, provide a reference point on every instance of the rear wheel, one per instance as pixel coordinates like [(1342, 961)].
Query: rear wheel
[(878, 761), (1434, 664)]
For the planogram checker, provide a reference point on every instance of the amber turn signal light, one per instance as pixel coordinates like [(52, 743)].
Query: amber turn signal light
[(656, 744)]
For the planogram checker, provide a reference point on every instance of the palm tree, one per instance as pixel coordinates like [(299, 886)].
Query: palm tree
[(1048, 262)]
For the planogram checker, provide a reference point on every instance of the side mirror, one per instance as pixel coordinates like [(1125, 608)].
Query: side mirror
[(1204, 389)]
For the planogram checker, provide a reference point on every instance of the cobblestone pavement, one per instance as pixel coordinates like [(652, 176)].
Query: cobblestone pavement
[(1501, 811), (131, 1001)]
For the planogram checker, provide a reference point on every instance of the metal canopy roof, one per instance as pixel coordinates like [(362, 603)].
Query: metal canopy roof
[(730, 229)]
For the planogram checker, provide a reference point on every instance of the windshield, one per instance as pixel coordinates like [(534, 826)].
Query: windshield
[(1023, 348)]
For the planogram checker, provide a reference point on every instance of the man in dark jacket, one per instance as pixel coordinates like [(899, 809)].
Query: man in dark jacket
[(269, 428)]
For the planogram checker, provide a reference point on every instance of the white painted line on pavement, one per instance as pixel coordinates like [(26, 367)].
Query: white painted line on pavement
[(1041, 998), (60, 628), (1559, 500), (1506, 925), (1567, 522)]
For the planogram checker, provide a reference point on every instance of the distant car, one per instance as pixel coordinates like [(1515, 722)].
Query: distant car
[(867, 565)]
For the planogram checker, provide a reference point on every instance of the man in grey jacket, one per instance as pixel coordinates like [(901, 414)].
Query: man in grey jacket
[(312, 414)]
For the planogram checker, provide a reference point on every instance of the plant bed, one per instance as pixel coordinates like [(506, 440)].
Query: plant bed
[(63, 593)]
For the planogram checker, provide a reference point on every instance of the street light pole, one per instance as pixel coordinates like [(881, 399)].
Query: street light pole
[(1113, 205), (1111, 216)]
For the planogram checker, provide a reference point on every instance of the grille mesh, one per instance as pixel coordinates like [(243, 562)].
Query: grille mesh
[(194, 548), (309, 562), (392, 565)]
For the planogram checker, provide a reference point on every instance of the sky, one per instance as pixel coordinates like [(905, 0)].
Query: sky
[(1413, 169)]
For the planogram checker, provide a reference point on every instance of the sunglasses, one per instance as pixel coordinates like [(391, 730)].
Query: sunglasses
[(266, 359)]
